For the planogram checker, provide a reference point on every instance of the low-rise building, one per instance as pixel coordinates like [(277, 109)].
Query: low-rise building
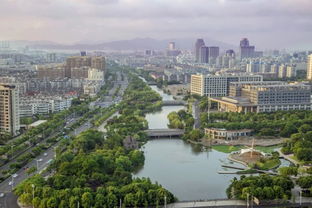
[(218, 85), (217, 133), (265, 97)]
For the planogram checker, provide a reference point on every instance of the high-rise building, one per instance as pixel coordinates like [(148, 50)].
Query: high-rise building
[(213, 54), (199, 43), (230, 53), (204, 54), (51, 71), (309, 67), (171, 46), (9, 109), (76, 62), (83, 53), (245, 50)]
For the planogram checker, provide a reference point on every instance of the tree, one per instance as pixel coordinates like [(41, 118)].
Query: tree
[(52, 203), (86, 199), (288, 171)]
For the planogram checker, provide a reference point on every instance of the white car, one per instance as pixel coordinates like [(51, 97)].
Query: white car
[(14, 175), (45, 154), (40, 160), (1, 194), (10, 183)]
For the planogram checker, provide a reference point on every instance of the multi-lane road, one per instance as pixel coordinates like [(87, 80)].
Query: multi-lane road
[(8, 200)]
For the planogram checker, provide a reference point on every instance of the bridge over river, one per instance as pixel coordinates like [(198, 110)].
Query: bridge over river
[(164, 133), (231, 203), (173, 102)]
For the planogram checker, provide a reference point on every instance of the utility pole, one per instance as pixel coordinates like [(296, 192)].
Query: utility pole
[(300, 199), (165, 201), (119, 203)]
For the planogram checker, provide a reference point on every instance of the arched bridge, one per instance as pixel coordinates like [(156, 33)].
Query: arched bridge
[(158, 133), (173, 102)]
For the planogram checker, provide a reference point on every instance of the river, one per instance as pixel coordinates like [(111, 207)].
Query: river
[(188, 171)]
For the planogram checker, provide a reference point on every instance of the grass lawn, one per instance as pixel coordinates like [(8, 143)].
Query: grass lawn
[(269, 149), (269, 164), (229, 149), (226, 148)]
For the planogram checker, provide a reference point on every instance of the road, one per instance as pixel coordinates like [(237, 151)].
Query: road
[(7, 165), (42, 161)]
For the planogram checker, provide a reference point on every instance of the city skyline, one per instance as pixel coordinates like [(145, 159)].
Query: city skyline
[(282, 24)]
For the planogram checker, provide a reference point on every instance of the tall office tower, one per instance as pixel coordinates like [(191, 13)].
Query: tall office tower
[(83, 53), (244, 42), (213, 54), (230, 53), (9, 109), (309, 67), (245, 50), (171, 46), (199, 43), (204, 54)]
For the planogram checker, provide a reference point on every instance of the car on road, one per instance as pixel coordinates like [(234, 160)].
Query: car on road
[(49, 161), (45, 154), (10, 183), (14, 175), (1, 194), (40, 160)]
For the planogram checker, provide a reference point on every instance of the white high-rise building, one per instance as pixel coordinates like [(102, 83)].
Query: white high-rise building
[(309, 67), (9, 109)]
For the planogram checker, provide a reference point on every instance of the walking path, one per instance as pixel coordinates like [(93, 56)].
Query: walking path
[(288, 157), (212, 203)]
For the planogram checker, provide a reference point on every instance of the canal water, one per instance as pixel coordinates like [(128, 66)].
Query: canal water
[(189, 172)]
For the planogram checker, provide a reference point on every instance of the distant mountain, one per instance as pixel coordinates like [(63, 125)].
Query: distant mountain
[(133, 44)]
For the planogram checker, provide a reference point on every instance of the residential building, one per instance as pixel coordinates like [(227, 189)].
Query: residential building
[(43, 105), (9, 109), (218, 85), (77, 62), (51, 71), (309, 67)]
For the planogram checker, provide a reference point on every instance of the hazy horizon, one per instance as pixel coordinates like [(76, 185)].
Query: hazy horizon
[(267, 23)]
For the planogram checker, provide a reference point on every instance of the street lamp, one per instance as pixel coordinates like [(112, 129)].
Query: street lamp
[(12, 145), (12, 182), (247, 200), (33, 193), (37, 164)]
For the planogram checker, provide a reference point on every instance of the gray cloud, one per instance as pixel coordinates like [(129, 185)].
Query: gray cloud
[(270, 23)]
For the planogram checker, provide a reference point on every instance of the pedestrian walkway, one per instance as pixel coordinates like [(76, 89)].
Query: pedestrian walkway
[(211, 203)]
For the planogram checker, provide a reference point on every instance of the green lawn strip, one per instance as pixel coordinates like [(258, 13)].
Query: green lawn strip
[(226, 148), (269, 164)]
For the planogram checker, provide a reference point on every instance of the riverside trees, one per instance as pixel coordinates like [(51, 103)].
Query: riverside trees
[(96, 172), (263, 187)]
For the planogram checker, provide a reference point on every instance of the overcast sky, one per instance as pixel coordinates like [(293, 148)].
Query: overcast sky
[(267, 23)]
